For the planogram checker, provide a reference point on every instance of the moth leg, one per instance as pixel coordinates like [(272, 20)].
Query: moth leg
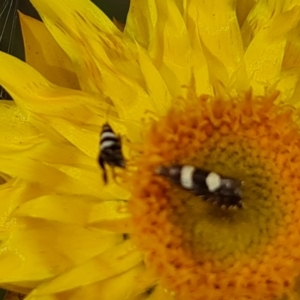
[(101, 162)]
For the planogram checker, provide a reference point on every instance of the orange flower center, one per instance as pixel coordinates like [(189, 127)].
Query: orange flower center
[(199, 250)]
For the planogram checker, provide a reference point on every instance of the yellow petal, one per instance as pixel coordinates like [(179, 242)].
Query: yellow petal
[(287, 84), (292, 52), (63, 180), (261, 13), (218, 29), (66, 209), (23, 288), (81, 136), (109, 60), (72, 209), (105, 290), (294, 100), (15, 192), (23, 155), (108, 210), (113, 262), (85, 10), (33, 87), (155, 84), (20, 134), (47, 99), (41, 250), (265, 52), (161, 293), (147, 281), (23, 146), (170, 47), (115, 288), (141, 21), (243, 7), (199, 61), (120, 25), (45, 55)]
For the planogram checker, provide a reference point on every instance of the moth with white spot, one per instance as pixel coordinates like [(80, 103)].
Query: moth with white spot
[(110, 150), (222, 191)]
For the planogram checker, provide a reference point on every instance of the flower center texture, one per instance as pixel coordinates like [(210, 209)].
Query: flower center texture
[(201, 250)]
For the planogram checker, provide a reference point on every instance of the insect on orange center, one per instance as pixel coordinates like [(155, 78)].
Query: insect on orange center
[(199, 249)]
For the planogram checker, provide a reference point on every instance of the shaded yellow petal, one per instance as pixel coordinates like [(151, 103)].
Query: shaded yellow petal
[(40, 250), (146, 281), (75, 178), (105, 290), (292, 52), (265, 32), (181, 4), (63, 179), (33, 87), (116, 288), (15, 192), (201, 76), (46, 297), (265, 53), (243, 7), (25, 152), (155, 84), (20, 134), (217, 26), (20, 287), (84, 137), (261, 13), (122, 226), (141, 21), (45, 55), (66, 209), (294, 100), (131, 100), (23, 155), (21, 138), (69, 109), (120, 25), (69, 24), (170, 47), (108, 210), (73, 209), (86, 10), (287, 84), (161, 293), (108, 58), (113, 262)]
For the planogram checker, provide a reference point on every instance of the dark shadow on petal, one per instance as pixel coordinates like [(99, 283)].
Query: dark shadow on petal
[(117, 9)]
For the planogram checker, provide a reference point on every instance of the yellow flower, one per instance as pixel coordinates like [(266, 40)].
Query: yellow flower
[(203, 83)]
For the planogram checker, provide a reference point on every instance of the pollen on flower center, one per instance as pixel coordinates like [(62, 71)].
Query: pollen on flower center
[(199, 250)]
